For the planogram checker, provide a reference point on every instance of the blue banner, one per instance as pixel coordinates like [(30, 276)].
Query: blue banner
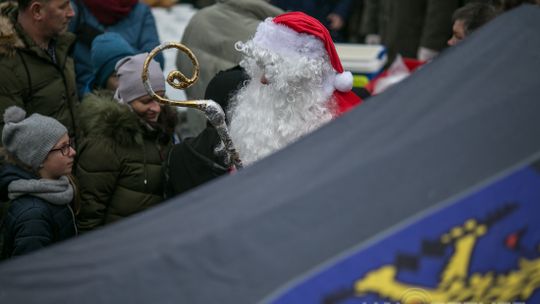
[(483, 248)]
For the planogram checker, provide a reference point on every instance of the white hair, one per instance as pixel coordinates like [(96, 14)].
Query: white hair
[(296, 100)]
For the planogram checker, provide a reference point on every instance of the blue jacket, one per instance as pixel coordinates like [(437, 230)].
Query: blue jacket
[(32, 223), (138, 29)]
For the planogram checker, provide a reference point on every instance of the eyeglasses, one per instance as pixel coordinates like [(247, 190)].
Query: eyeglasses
[(65, 148)]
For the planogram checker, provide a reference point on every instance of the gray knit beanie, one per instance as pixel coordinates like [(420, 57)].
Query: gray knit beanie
[(30, 139), (130, 84)]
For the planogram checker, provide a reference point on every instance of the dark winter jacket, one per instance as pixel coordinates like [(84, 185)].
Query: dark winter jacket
[(406, 25), (194, 162), (319, 9), (32, 223), (28, 76), (138, 29), (119, 168)]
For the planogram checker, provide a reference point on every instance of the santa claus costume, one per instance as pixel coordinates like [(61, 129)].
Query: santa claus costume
[(297, 84)]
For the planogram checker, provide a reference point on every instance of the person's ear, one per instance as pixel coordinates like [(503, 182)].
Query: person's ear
[(36, 8)]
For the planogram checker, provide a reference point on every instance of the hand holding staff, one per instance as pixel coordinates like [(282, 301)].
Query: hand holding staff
[(211, 109)]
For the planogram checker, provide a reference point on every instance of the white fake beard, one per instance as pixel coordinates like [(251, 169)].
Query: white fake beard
[(266, 118)]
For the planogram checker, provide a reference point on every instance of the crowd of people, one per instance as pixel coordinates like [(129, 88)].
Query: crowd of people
[(84, 144)]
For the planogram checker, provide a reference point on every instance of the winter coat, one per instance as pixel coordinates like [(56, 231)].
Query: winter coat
[(32, 223), (30, 79), (138, 29), (194, 162), (406, 25), (119, 168), (223, 24), (320, 9)]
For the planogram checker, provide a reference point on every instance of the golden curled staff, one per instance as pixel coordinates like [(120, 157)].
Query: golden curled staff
[(213, 111)]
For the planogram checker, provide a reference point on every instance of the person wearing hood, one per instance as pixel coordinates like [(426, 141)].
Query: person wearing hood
[(125, 140), (37, 182), (132, 19), (107, 49)]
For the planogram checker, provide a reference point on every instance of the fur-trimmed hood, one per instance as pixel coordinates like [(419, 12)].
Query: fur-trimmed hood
[(9, 38), (101, 116)]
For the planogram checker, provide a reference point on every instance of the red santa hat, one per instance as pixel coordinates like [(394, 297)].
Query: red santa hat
[(296, 33)]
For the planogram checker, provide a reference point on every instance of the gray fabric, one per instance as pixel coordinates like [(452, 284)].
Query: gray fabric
[(31, 139), (464, 118), (130, 84), (57, 192)]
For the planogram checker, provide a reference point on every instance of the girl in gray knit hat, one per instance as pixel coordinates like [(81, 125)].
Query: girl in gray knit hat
[(36, 181)]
